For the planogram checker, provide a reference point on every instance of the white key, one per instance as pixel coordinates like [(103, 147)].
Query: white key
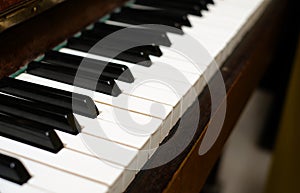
[(222, 25), (9, 187), (167, 120), (154, 132), (135, 123), (103, 149), (172, 75), (166, 60), (181, 81), (70, 161), (125, 157), (54, 180), (131, 103), (114, 132), (103, 98)]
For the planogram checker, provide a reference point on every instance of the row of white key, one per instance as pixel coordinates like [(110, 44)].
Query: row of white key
[(110, 173)]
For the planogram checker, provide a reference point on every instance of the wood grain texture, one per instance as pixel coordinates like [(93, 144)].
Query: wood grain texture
[(26, 41)]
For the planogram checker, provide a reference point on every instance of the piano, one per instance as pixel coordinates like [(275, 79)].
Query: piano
[(104, 96)]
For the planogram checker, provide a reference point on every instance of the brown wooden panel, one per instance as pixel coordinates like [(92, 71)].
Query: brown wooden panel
[(5, 4), (242, 72), (28, 40)]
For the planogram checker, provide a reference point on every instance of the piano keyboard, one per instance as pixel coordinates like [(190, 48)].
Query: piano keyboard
[(48, 138)]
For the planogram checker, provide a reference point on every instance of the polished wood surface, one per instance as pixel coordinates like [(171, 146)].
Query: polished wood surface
[(242, 72), (5, 4), (26, 41)]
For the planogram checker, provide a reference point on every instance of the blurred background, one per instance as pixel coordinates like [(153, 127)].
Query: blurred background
[(262, 155)]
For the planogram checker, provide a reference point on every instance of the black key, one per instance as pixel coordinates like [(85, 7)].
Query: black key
[(109, 27), (144, 35), (56, 117), (87, 80), (210, 1), (86, 45), (109, 70), (168, 15), (170, 5), (94, 36), (80, 104), (123, 18), (30, 132), (201, 3), (134, 18), (13, 170)]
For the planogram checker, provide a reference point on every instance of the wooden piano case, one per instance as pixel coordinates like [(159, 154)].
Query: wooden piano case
[(242, 71)]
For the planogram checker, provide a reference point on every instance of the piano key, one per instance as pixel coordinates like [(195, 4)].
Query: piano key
[(122, 146), (213, 36), (158, 95), (131, 22), (202, 4), (106, 151), (103, 149), (91, 81), (171, 58), (94, 37), (133, 104), (210, 1), (116, 132), (143, 20), (30, 132), (128, 85), (142, 142), (175, 16), (142, 76), (135, 123), (109, 69), (44, 113), (209, 39), (90, 167), (162, 72), (132, 30), (180, 64), (188, 96), (170, 5), (10, 187), (13, 170), (80, 104), (199, 86), (157, 130), (61, 181), (118, 44), (166, 74), (154, 37), (215, 41), (169, 55), (86, 45)]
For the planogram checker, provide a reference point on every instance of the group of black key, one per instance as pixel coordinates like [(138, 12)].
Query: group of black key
[(30, 113)]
